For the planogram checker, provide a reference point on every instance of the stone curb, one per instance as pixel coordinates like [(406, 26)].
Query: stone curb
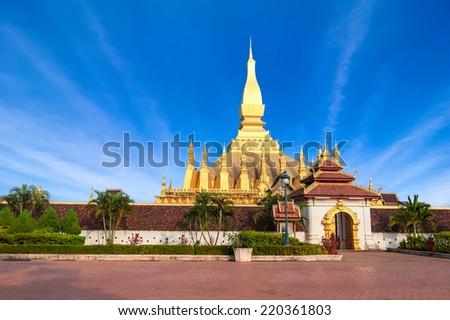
[(159, 257), (421, 253)]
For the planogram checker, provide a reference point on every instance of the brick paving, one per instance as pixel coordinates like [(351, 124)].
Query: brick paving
[(360, 275)]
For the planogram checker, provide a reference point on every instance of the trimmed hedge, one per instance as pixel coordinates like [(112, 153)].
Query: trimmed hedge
[(250, 239), (40, 237), (213, 250), (277, 250), (116, 249), (308, 249)]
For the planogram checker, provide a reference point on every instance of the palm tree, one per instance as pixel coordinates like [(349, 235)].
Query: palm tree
[(26, 197), (38, 198), (225, 208), (425, 218), (401, 218), (201, 213), (266, 213), (112, 207), (419, 213)]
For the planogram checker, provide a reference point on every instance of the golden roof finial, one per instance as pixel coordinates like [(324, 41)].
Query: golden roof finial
[(371, 184), (91, 195), (250, 55), (326, 152), (336, 153)]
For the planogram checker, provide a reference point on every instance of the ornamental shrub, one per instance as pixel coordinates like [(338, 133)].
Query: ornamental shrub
[(23, 223), (49, 221), (6, 217), (70, 223), (251, 238)]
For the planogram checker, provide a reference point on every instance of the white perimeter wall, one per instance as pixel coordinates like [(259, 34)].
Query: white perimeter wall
[(161, 237)]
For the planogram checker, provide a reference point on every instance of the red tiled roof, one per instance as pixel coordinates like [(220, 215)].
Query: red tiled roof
[(334, 176), (389, 198)]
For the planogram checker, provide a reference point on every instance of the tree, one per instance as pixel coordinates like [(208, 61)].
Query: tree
[(24, 223), (225, 209), (39, 199), (111, 207), (6, 217), (18, 199), (419, 213), (401, 218), (208, 208), (70, 223), (266, 214), (200, 215), (425, 218), (49, 220), (26, 197)]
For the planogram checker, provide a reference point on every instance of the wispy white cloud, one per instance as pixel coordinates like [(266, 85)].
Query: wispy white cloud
[(349, 34), (60, 151), (142, 102), (414, 163)]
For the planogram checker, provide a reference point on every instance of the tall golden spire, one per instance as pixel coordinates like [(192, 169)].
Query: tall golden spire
[(252, 107), (252, 92)]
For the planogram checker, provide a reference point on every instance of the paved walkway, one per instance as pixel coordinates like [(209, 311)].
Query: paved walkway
[(360, 275)]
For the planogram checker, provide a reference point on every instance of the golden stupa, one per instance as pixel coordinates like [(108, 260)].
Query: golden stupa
[(248, 166)]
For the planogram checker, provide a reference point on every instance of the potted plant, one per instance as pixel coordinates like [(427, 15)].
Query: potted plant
[(242, 251)]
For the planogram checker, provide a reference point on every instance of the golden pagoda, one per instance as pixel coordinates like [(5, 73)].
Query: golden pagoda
[(248, 166)]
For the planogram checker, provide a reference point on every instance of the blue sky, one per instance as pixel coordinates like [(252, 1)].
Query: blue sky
[(77, 74)]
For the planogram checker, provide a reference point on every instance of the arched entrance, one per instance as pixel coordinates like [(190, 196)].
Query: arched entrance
[(342, 222), (342, 227)]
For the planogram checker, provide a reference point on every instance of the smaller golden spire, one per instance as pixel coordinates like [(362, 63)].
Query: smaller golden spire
[(223, 165), (282, 161), (204, 156), (191, 158), (91, 194), (163, 185), (245, 181), (170, 183), (302, 171)]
